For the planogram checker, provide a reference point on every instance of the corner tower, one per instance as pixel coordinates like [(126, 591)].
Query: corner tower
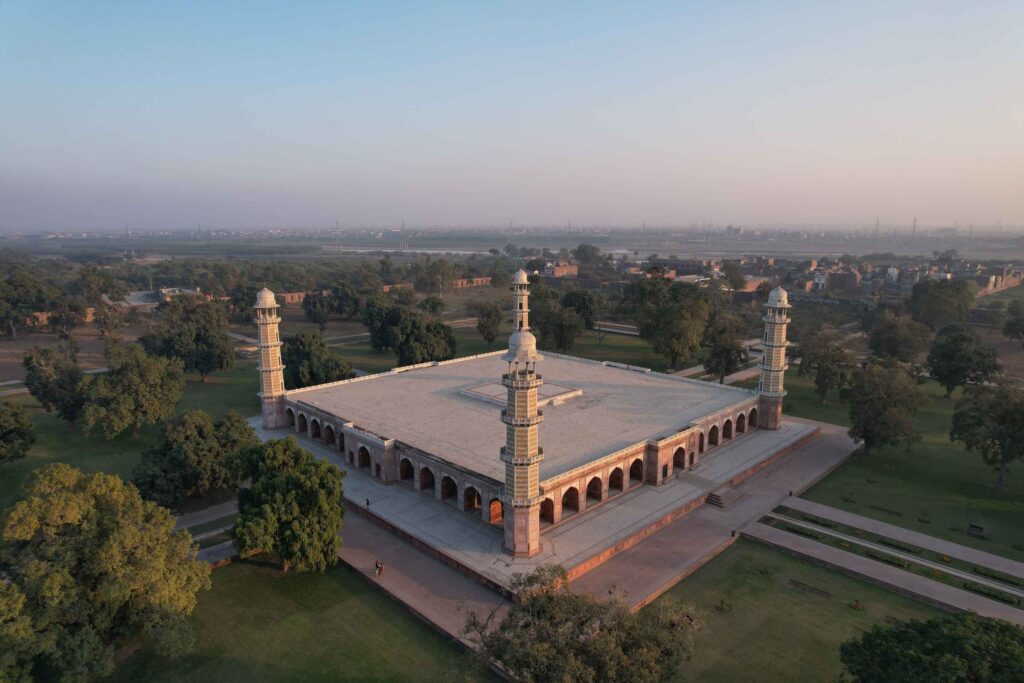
[(270, 368), (773, 362), (521, 453)]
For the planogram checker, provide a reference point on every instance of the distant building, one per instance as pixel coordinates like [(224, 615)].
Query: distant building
[(562, 269), (462, 283)]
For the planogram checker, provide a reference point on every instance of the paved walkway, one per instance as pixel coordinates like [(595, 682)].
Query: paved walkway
[(209, 514), (938, 545), (877, 572)]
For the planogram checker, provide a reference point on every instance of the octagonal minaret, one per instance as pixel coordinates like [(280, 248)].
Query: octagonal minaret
[(270, 368), (773, 362), (521, 453)]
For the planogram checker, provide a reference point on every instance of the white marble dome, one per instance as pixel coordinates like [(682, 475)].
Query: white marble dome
[(521, 278), (778, 298), (265, 299), (522, 348)]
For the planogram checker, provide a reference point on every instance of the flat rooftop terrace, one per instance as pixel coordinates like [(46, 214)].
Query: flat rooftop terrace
[(441, 409)]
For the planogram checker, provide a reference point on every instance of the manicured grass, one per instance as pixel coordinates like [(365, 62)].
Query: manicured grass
[(260, 624), (937, 487), (1006, 296), (775, 631)]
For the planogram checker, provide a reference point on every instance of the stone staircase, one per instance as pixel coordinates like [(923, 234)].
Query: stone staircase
[(723, 497)]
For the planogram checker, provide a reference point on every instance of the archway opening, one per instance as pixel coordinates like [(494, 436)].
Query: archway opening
[(700, 443), (426, 480), (636, 472), (679, 459), (314, 429), (741, 423), (713, 436), (448, 488), (363, 458), (594, 490), (341, 441), (691, 459), (727, 430), (289, 415), (302, 423), (547, 511), (753, 418), (405, 470), (329, 435), (471, 501), (615, 480), (496, 512), (570, 500)]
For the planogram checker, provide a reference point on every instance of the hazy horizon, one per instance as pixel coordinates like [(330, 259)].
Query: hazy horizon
[(249, 114)]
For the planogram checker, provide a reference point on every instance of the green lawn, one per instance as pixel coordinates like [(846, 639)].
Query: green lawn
[(775, 631), (259, 624), (1006, 296), (936, 487)]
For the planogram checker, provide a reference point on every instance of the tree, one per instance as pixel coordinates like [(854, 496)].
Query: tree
[(673, 326), (990, 422), (550, 633), (16, 432), (1015, 308), (419, 340), (734, 276), (54, 379), (192, 457), (19, 642), (958, 357), (432, 305), (726, 353), (317, 307), (294, 507), (883, 400), (586, 254), (346, 300), (195, 332), (21, 295), (584, 303), (100, 569), (941, 303), (1014, 329), (996, 315), (961, 648), (489, 316), (137, 390), (108, 319), (898, 336), (66, 314), (822, 354), (308, 361)]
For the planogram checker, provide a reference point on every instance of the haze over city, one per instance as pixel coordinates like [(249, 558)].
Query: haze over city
[(256, 115)]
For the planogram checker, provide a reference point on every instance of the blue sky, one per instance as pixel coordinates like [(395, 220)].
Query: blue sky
[(160, 114)]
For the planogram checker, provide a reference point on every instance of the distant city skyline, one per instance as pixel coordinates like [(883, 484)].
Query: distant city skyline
[(240, 115)]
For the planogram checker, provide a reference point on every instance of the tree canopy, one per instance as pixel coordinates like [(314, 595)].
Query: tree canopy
[(958, 357), (308, 361), (671, 317), (823, 356), (584, 303), (990, 421), (54, 379), (943, 302), (193, 331), (21, 295), (318, 308), (963, 648), (883, 400), (1013, 329), (410, 334), (293, 508), (489, 316), (898, 336), (93, 568), (16, 432), (726, 353)]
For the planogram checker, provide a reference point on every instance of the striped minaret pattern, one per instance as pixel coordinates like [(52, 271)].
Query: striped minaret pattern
[(270, 367), (773, 363), (521, 454)]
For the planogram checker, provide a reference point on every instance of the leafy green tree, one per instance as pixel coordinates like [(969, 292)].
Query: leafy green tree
[(108, 319), (19, 642), (1015, 308), (673, 325), (137, 390), (996, 313), (822, 354), (195, 332), (883, 400), (432, 305), (16, 432), (734, 276), (419, 340), (309, 361), (1014, 329), (67, 313), (584, 303), (489, 316), (192, 457), (21, 295), (962, 648), (990, 422), (54, 379), (726, 353), (317, 307), (94, 283), (100, 569), (938, 304), (243, 297), (346, 300), (550, 633), (898, 336), (294, 507), (586, 254), (959, 357)]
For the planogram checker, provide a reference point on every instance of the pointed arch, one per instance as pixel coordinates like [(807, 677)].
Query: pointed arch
[(726, 430), (328, 435), (741, 423), (571, 500), (636, 472), (615, 480), (426, 480), (595, 490), (314, 429), (713, 436)]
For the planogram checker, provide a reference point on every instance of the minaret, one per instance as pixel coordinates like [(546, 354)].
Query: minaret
[(521, 454), (773, 362), (271, 370)]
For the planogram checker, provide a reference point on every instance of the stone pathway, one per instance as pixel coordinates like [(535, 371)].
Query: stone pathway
[(209, 514)]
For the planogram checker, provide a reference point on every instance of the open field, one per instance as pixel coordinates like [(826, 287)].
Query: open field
[(936, 487), (90, 354), (260, 624), (776, 631), (1007, 295)]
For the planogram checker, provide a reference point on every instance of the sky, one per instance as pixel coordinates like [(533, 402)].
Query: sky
[(248, 114)]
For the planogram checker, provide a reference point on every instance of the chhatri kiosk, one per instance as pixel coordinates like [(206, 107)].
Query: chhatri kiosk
[(526, 457)]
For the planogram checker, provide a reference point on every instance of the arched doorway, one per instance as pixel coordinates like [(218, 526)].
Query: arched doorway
[(289, 415), (448, 488), (727, 430), (713, 436), (405, 470), (741, 423), (636, 472), (547, 511), (471, 501), (426, 480), (753, 418), (302, 423), (496, 513), (570, 500), (363, 458), (314, 428), (341, 441), (329, 435), (615, 480), (594, 490), (691, 459), (700, 443), (679, 459)]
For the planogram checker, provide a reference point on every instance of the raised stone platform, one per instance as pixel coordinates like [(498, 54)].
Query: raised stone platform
[(579, 544)]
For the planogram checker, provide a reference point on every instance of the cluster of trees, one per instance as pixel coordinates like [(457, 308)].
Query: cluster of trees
[(16, 432), (550, 633), (309, 361), (193, 331), (672, 317), (938, 303), (1013, 326), (413, 335), (558, 320)]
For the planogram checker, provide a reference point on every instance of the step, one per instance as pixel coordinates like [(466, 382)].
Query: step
[(723, 497)]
